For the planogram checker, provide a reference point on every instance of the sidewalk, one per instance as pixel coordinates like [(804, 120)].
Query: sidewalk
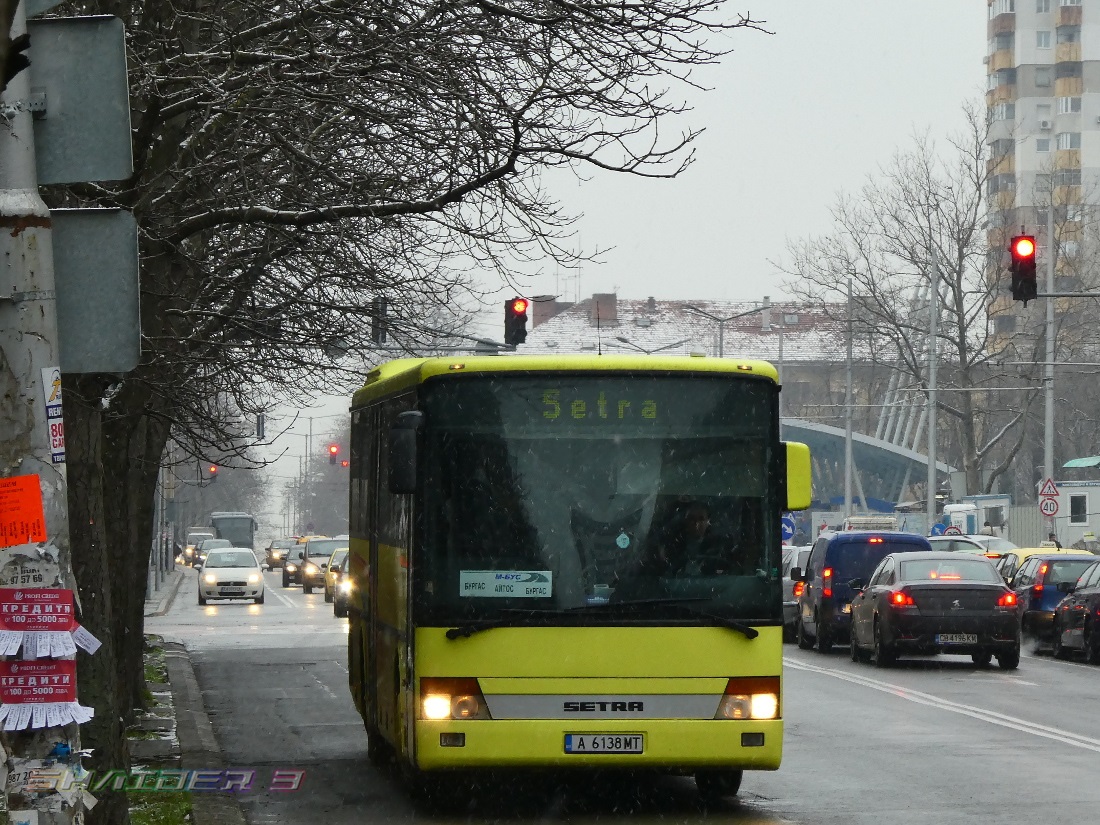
[(180, 706), (163, 598)]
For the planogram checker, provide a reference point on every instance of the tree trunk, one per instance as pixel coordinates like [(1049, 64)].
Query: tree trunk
[(97, 676), (133, 447)]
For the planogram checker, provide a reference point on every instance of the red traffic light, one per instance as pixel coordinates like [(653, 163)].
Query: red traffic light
[(213, 469), (1022, 268), (345, 463), (519, 306), (333, 449)]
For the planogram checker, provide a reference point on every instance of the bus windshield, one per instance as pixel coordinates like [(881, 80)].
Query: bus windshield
[(618, 496)]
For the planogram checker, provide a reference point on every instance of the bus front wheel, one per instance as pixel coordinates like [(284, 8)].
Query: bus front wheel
[(715, 784)]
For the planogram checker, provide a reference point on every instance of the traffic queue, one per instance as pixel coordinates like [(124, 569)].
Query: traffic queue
[(885, 594)]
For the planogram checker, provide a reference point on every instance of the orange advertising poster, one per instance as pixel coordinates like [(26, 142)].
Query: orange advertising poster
[(21, 518)]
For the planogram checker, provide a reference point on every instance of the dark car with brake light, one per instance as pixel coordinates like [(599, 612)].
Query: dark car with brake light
[(1077, 617), (936, 602), (1036, 584), (824, 606)]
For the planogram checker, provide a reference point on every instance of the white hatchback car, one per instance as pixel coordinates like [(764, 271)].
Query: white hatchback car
[(231, 573)]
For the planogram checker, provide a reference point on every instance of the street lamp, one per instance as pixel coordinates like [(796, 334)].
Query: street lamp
[(632, 345), (722, 321)]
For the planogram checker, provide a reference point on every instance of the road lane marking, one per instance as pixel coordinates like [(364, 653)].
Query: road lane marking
[(981, 714), (280, 596)]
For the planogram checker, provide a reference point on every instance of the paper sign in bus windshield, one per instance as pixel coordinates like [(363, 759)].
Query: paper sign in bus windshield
[(505, 584)]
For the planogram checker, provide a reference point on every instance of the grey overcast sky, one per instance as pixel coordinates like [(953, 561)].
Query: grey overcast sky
[(792, 118)]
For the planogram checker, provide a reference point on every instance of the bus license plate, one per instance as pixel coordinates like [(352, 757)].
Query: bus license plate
[(957, 639), (603, 743)]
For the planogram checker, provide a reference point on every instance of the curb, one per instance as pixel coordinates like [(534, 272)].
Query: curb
[(198, 746), (171, 597)]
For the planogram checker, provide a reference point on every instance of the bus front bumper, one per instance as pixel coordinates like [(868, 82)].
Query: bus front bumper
[(671, 744)]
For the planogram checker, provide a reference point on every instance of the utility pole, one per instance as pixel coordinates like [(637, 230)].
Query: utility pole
[(33, 441), (933, 332), (1048, 369), (848, 413)]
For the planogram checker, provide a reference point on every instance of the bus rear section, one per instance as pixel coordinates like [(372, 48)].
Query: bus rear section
[(564, 567)]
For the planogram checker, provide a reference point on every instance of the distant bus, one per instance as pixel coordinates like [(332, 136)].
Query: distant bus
[(504, 612), (239, 528)]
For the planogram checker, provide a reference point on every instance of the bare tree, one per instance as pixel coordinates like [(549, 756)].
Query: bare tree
[(296, 161), (925, 207)]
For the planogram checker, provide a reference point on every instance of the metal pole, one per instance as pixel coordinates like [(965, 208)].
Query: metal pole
[(722, 339), (1048, 370), (933, 331), (781, 371), (848, 414)]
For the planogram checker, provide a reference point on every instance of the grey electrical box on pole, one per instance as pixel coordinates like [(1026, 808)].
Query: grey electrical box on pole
[(80, 99), (95, 258)]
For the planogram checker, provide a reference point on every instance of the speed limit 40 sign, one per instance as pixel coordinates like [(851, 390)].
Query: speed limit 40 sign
[(1048, 506)]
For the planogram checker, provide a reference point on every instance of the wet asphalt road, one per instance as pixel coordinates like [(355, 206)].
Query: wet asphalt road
[(933, 740)]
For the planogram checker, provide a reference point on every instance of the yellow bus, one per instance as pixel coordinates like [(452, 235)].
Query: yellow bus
[(570, 562)]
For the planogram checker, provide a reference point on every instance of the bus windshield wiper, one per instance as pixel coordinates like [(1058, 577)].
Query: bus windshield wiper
[(681, 605), (514, 618)]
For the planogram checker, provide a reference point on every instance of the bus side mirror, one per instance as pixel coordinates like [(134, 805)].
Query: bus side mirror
[(799, 484), (403, 447)]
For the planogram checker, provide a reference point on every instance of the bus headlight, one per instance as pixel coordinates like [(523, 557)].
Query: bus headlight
[(753, 697), (764, 706), (437, 706), (452, 699)]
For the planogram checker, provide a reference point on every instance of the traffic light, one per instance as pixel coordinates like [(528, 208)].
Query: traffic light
[(1024, 286), (515, 321), (333, 451), (212, 471), (345, 463)]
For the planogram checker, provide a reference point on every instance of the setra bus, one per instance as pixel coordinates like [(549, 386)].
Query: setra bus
[(530, 583)]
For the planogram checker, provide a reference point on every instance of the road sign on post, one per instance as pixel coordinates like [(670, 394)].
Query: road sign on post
[(1048, 507), (1048, 489)]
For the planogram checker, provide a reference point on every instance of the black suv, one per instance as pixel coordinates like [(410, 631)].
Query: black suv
[(825, 606)]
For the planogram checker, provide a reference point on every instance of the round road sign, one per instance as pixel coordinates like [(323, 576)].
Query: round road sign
[(786, 528), (1048, 506), (952, 531)]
